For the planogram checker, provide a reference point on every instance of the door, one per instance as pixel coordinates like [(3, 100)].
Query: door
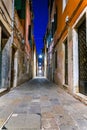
[(82, 58), (66, 62), (12, 66)]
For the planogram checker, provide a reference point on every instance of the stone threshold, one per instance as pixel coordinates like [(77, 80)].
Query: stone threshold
[(65, 85), (81, 97), (3, 90)]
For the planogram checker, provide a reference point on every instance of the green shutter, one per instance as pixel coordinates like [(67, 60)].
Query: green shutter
[(20, 7), (18, 4), (22, 15)]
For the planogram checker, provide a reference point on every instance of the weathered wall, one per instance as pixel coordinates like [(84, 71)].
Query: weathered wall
[(70, 60), (73, 12), (6, 16), (50, 61), (24, 70), (58, 73), (34, 60), (6, 64), (14, 61)]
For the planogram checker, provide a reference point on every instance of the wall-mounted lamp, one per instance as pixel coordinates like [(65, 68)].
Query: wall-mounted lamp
[(67, 19), (22, 41)]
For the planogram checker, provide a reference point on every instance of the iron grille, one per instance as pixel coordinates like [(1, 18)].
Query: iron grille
[(82, 58)]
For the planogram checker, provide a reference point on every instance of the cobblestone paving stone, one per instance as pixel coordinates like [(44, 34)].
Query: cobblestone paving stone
[(41, 105)]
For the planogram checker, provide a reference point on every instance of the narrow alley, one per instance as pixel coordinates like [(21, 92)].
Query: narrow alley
[(43, 64), (41, 105)]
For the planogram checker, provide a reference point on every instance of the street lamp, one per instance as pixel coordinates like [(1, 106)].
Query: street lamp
[(40, 56)]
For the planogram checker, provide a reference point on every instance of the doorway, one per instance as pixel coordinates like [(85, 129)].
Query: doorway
[(12, 65), (82, 47), (66, 62), (4, 56)]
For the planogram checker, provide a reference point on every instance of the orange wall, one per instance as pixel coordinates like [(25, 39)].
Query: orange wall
[(68, 11)]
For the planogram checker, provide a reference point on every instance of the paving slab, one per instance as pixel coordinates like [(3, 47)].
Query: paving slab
[(41, 105), (24, 121)]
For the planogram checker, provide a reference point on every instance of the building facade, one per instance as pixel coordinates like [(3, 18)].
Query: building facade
[(67, 30), (34, 61), (15, 42), (6, 40)]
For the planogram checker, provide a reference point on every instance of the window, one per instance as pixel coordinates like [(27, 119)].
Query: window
[(64, 2)]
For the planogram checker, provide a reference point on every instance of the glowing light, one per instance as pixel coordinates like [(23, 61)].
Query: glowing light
[(40, 56), (40, 71), (39, 63), (39, 67)]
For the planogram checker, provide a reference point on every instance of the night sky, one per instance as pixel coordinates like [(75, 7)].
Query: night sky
[(40, 10)]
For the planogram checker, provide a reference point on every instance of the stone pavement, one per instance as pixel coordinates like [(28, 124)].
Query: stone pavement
[(41, 105)]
